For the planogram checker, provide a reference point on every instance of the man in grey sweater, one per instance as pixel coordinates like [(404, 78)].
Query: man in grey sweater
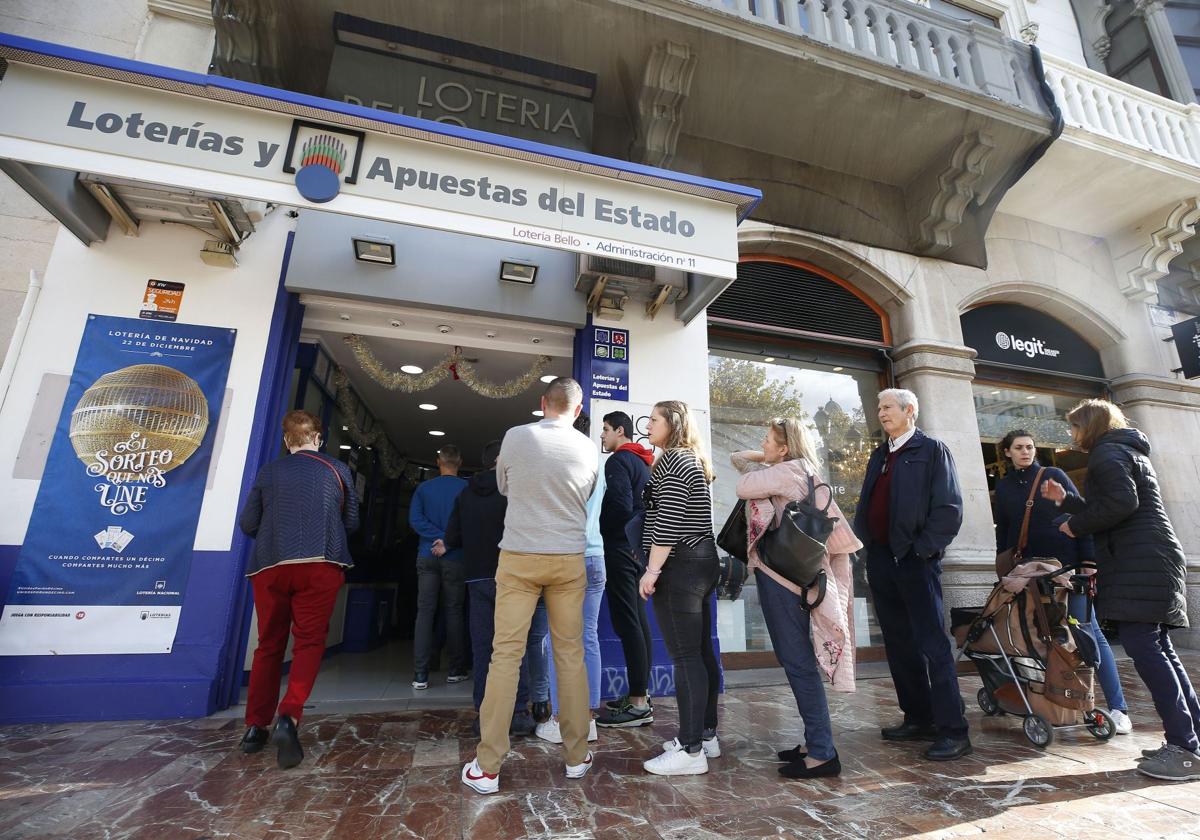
[(547, 470)]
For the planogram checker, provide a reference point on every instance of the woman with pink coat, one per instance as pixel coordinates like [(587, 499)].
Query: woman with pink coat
[(815, 646)]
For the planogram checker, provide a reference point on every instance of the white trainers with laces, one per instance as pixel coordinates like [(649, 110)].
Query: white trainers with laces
[(677, 763), (550, 731), (711, 746), (479, 781), (578, 771), (1121, 720)]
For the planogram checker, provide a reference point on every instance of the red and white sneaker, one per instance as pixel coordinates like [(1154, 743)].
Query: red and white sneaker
[(578, 771), (479, 781)]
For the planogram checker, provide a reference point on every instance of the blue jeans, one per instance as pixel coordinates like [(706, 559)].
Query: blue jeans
[(591, 637), (1149, 646), (1110, 680), (791, 637)]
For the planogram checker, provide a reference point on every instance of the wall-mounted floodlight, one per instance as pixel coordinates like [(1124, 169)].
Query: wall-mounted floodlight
[(374, 251), (515, 272)]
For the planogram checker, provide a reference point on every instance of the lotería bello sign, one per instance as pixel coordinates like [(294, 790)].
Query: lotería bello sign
[(466, 184), (406, 72), (1187, 342), (1017, 335)]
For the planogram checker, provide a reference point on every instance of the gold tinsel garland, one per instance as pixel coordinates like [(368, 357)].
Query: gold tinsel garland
[(454, 364), (390, 461)]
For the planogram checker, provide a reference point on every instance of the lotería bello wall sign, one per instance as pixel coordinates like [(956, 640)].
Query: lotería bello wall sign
[(1018, 336), (406, 72), (392, 168)]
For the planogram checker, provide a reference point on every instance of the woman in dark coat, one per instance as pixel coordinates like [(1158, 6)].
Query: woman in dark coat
[(1045, 540), (1141, 573)]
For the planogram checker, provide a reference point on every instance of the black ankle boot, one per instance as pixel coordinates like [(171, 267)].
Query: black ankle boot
[(287, 742), (255, 739)]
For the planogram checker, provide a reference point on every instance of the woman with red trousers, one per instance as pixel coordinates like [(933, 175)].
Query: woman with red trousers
[(299, 512)]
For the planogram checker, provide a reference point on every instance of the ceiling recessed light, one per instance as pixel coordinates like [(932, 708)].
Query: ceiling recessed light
[(838, 369), (345, 446), (345, 428), (768, 358), (436, 433), (396, 323), (413, 369), (539, 413), (427, 407), (344, 317), (1031, 397), (993, 393), (548, 378)]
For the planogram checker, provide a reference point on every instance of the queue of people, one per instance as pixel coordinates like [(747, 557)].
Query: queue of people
[(542, 532)]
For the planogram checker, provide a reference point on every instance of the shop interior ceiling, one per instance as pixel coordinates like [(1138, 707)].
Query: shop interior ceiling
[(468, 419)]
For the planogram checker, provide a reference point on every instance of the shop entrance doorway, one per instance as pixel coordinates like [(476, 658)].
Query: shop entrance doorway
[(393, 386)]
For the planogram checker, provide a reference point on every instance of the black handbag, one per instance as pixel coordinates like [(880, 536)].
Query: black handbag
[(796, 549), (733, 538)]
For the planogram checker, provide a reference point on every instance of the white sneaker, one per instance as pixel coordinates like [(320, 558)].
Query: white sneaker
[(711, 746), (479, 781), (550, 731), (677, 763), (1121, 720), (578, 771)]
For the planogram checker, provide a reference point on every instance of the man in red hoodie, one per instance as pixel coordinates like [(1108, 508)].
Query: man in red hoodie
[(621, 514)]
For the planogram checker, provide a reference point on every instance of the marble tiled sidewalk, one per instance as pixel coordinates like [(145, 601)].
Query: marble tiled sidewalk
[(385, 775)]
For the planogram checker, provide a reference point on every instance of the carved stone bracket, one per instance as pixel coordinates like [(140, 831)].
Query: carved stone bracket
[(1102, 46), (1029, 32), (665, 85), (1140, 265), (957, 188)]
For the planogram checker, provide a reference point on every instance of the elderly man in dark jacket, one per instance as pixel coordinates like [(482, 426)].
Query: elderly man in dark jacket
[(1141, 572), (909, 511)]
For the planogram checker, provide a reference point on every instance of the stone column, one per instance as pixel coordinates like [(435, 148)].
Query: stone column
[(940, 374), (1163, 38), (1168, 412)]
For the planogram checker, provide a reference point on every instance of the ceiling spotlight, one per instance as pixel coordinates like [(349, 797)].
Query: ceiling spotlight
[(516, 272), (413, 369), (768, 358), (994, 393), (345, 446), (374, 251), (427, 407), (548, 378), (838, 369), (396, 323), (345, 428), (436, 433), (344, 316), (539, 413), (1031, 397)]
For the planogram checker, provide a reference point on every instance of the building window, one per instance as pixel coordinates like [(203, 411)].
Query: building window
[(837, 404), (1131, 57), (963, 12)]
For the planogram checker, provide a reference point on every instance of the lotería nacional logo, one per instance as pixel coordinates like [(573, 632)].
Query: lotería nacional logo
[(321, 159)]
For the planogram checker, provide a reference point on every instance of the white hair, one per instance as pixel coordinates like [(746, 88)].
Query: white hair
[(904, 398)]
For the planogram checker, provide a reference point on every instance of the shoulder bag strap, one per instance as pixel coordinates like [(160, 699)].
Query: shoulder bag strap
[(1024, 538), (333, 469)]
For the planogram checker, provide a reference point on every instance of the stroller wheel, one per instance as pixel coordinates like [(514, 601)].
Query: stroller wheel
[(1100, 724), (1039, 732), (987, 702)]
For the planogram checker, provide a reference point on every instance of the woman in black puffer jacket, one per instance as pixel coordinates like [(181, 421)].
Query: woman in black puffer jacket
[(1141, 575)]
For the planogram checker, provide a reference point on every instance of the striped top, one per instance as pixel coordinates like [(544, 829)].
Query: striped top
[(678, 501)]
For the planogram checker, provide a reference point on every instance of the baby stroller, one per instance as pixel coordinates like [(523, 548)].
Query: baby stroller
[(1035, 661)]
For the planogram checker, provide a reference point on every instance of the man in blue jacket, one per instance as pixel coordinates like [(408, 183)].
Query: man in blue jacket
[(440, 574), (909, 511)]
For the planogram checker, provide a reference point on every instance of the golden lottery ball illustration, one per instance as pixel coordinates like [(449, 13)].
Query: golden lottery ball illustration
[(166, 407)]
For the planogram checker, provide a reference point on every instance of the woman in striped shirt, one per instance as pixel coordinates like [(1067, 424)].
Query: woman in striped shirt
[(681, 574)]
